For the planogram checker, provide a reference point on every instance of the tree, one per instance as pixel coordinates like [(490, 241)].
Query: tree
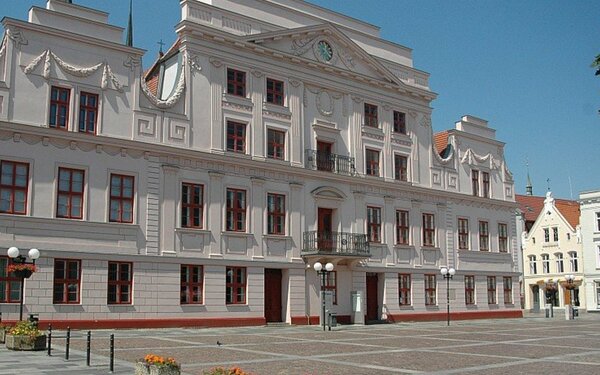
[(596, 64)]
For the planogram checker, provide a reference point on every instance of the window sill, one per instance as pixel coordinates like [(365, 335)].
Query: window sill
[(277, 110), (276, 237), (234, 154), (192, 230), (404, 246), (276, 161), (236, 234)]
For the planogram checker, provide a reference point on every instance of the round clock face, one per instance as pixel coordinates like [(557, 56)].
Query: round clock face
[(325, 50)]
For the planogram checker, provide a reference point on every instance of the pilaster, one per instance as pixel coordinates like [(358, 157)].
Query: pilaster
[(296, 136), (256, 224), (216, 99), (169, 208), (215, 212), (296, 221)]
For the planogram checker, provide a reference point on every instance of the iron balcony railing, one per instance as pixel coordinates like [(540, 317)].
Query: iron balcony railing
[(335, 243), (326, 161)]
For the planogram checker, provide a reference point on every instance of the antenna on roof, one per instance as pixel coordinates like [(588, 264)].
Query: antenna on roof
[(548, 181), (129, 38), (570, 187)]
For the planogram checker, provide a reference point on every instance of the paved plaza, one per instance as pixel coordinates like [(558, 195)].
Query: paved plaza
[(532, 345)]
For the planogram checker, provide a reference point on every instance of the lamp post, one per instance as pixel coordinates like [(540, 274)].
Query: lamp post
[(448, 273), (23, 269), (323, 272), (571, 286)]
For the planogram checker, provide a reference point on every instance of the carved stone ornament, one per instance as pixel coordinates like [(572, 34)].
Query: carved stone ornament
[(301, 45), (413, 114), (324, 100), (471, 158), (3, 47), (257, 73), (425, 121), (132, 62), (378, 137), (215, 62), (17, 37), (294, 82), (193, 62), (441, 160)]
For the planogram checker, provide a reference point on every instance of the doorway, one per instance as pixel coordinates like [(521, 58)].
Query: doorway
[(535, 296), (273, 295), (324, 159), (372, 297), (324, 230)]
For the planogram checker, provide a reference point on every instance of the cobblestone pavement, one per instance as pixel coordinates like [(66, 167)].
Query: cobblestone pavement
[(532, 345)]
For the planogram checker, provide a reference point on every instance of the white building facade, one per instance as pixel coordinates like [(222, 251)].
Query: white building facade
[(590, 233), (272, 135)]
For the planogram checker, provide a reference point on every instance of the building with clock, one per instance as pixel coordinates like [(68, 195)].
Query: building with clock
[(272, 135)]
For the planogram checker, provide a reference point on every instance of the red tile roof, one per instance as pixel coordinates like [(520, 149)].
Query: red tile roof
[(440, 140), (531, 206)]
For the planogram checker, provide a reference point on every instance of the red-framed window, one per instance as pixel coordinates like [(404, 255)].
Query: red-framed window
[(10, 285), (236, 82), (463, 234), (485, 180), (402, 228), (475, 182), (428, 230), (275, 144), (275, 214), (192, 284), (14, 184), (470, 290), (374, 224), (235, 285), (274, 91), (192, 205), (331, 285), (69, 200), (484, 236), (502, 238), (399, 122), (120, 281), (88, 112), (121, 198), (67, 281), (236, 210), (508, 297), (236, 136), (430, 290), (404, 293), (400, 168), (372, 162), (371, 116), (491, 290), (59, 107)]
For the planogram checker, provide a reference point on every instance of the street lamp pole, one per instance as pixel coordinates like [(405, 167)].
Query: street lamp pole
[(22, 271), (323, 272), (448, 273)]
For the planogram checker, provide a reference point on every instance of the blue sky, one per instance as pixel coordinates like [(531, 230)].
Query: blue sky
[(522, 65)]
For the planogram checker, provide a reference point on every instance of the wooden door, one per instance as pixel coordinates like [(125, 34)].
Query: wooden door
[(273, 295), (567, 295), (324, 159), (372, 297), (324, 230)]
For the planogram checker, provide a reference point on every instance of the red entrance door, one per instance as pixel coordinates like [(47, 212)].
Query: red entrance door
[(372, 306), (324, 159), (324, 231), (273, 295)]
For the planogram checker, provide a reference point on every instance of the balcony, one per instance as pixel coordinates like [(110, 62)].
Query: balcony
[(335, 244), (326, 161)]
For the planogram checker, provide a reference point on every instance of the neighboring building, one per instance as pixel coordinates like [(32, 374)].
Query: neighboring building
[(551, 249), (590, 233), (272, 135)]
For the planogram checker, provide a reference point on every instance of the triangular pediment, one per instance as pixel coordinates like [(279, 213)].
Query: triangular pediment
[(325, 45)]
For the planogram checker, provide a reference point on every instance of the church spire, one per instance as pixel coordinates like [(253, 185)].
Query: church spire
[(129, 39), (528, 187)]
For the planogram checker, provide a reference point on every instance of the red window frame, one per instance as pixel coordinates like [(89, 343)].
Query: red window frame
[(276, 214), (371, 119), (485, 177), (192, 284), (67, 281), (88, 113), (275, 91), (508, 298), (475, 182), (400, 168), (331, 285), (374, 224), (236, 136), (404, 293), (484, 236), (235, 285), (70, 193), (502, 237), (428, 230), (275, 144), (463, 234), (9, 283), (192, 205), (430, 290), (59, 108), (399, 122), (236, 82), (491, 290), (402, 227), (14, 184), (236, 210), (121, 201), (120, 283), (469, 290), (372, 162)]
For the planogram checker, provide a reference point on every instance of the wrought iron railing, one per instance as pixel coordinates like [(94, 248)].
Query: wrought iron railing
[(335, 243), (326, 161)]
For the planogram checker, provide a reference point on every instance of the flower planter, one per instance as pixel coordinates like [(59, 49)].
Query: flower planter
[(19, 342), (142, 368)]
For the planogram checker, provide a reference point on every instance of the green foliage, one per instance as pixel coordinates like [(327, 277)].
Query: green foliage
[(596, 64)]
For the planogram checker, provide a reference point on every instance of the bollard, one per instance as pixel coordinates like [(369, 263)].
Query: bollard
[(89, 348), (49, 339), (68, 343), (112, 352)]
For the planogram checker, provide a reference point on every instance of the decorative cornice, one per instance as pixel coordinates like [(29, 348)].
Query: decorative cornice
[(17, 37)]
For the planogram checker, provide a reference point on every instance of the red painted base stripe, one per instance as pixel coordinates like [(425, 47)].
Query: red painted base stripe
[(456, 315)]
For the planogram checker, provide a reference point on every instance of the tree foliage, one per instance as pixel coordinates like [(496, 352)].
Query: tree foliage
[(596, 64)]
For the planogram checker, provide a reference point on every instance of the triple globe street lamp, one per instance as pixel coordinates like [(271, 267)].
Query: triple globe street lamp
[(448, 273), (323, 271), (23, 269)]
